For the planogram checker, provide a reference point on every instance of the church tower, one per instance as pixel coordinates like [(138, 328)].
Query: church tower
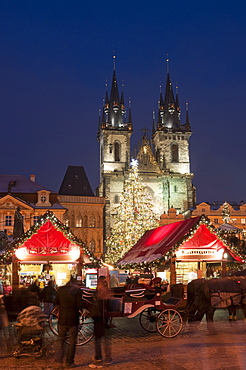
[(114, 133), (163, 160), (171, 146)]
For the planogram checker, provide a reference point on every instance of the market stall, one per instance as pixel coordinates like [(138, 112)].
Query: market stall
[(49, 251), (189, 245)]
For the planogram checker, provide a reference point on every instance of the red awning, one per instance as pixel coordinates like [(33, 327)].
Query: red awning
[(48, 244), (155, 243), (48, 241)]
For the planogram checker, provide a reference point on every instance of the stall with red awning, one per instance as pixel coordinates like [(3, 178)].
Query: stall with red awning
[(191, 240), (49, 249)]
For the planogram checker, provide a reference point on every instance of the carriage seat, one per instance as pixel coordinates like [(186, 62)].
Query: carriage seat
[(133, 295), (172, 302)]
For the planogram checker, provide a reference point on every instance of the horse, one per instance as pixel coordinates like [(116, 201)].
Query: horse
[(205, 296)]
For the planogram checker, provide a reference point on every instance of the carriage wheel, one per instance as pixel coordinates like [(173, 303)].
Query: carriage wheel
[(53, 320), (148, 318), (169, 323), (86, 326)]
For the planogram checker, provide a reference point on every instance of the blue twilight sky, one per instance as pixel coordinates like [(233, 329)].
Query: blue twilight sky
[(55, 57)]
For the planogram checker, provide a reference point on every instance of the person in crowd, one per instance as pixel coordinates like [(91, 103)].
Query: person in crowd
[(192, 275), (114, 282), (48, 296), (135, 279), (34, 293), (4, 321), (128, 279), (69, 299), (98, 309), (7, 288)]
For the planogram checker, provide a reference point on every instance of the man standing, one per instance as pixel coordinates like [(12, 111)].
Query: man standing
[(114, 282), (69, 299)]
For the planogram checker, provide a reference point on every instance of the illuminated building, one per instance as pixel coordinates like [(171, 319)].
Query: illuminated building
[(164, 162)]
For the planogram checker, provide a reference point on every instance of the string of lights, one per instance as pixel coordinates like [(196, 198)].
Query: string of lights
[(6, 257)]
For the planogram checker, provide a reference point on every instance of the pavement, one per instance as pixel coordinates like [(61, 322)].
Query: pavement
[(135, 349)]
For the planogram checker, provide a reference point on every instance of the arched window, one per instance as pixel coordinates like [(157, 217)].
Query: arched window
[(79, 222), (92, 246), (86, 221), (66, 220), (72, 221), (98, 221), (92, 222), (175, 152), (117, 151), (101, 155), (116, 199)]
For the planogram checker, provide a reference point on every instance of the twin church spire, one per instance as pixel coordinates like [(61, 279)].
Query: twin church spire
[(168, 118), (114, 111), (169, 110)]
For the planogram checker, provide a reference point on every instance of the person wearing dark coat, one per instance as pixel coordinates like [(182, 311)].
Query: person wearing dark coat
[(48, 296), (98, 310), (34, 294), (69, 299)]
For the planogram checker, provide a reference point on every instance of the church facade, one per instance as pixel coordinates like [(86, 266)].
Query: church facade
[(164, 160)]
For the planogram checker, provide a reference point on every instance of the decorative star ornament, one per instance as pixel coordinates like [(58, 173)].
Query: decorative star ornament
[(134, 163)]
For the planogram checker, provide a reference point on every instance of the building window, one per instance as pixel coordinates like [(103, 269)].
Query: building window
[(92, 246), (175, 188), (72, 219), (8, 220), (86, 221), (79, 222), (243, 221), (35, 219), (92, 222), (216, 220), (203, 210), (101, 155), (43, 198), (116, 199), (117, 151), (175, 152)]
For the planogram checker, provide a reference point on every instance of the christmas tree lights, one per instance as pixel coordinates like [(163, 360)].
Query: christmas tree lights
[(131, 218)]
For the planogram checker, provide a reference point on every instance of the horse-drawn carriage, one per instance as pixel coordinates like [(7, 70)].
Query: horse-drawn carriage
[(155, 315)]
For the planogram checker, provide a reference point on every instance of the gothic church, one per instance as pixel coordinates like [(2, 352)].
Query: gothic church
[(164, 161)]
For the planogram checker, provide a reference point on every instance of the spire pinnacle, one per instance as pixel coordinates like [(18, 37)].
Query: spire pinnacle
[(130, 111), (153, 122), (114, 60), (167, 60), (187, 119)]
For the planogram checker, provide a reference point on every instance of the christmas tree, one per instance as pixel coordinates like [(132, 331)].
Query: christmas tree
[(131, 218), (226, 213)]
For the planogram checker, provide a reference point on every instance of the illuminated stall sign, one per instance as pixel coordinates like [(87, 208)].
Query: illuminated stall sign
[(199, 254)]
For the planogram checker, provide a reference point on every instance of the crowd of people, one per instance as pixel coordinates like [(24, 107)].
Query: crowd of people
[(69, 300)]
